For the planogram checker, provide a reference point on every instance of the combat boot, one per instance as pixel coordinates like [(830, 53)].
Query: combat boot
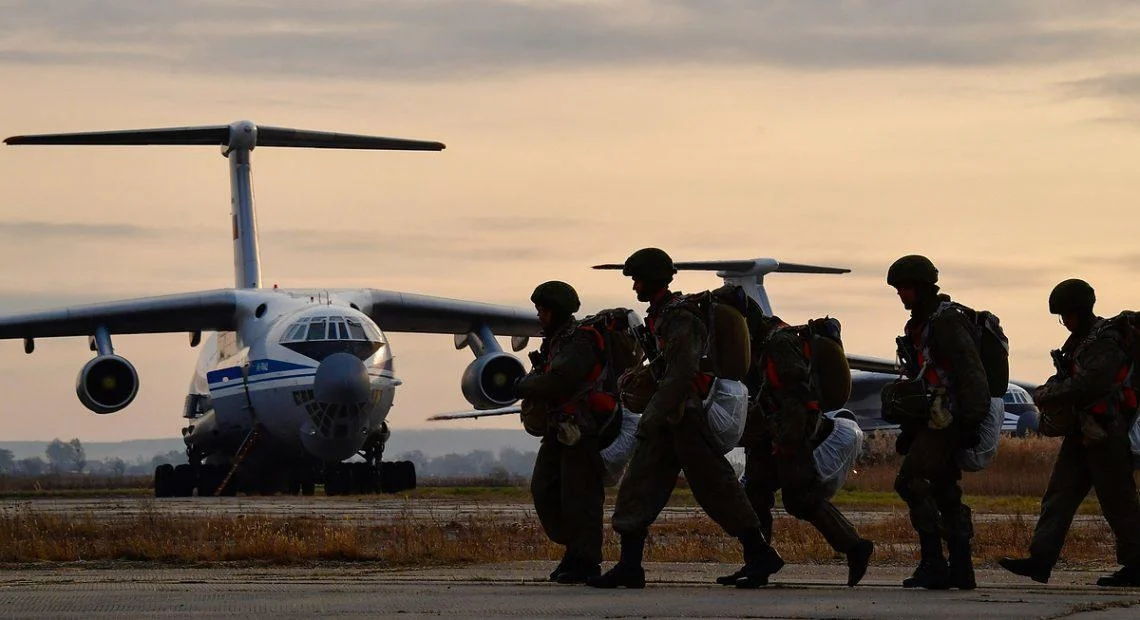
[(558, 569), (579, 571), (961, 564), (1127, 577), (627, 573), (932, 572), (730, 580), (760, 560), (1035, 568), (858, 558)]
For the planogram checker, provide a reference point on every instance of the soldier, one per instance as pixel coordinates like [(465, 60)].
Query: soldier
[(1089, 389), (674, 435), (778, 443), (567, 482), (943, 355)]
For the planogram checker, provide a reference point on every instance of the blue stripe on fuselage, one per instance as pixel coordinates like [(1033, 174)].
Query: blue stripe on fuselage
[(256, 367)]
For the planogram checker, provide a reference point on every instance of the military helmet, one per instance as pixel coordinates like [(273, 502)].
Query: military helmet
[(649, 264), (556, 295), (1072, 295), (912, 269)]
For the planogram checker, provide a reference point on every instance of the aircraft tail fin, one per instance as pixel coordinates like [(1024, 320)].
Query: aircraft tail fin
[(237, 140)]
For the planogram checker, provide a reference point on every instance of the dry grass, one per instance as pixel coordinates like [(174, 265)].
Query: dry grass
[(1021, 467), (29, 536)]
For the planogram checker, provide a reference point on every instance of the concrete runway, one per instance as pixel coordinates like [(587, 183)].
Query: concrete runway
[(516, 590)]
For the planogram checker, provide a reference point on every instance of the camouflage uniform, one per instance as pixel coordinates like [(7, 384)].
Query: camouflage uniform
[(567, 482), (674, 435), (1104, 465), (928, 477), (780, 455)]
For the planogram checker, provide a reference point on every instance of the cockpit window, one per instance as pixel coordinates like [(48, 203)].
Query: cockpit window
[(316, 330), (356, 330), (338, 328)]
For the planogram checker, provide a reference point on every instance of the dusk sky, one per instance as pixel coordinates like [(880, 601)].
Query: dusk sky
[(998, 138)]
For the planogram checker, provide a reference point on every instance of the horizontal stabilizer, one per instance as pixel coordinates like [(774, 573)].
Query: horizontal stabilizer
[(476, 413), (746, 266), (873, 364), (222, 135)]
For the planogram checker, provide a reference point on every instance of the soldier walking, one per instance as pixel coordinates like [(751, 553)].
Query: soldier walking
[(1090, 403), (673, 435), (778, 441), (943, 355), (562, 404)]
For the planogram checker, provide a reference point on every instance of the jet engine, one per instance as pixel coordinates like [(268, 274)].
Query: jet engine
[(489, 382), (106, 384)]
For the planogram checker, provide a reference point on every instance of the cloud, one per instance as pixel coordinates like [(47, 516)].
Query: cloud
[(459, 39), (1124, 85), (33, 230)]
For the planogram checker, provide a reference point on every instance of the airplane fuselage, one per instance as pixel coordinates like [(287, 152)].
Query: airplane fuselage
[(266, 373)]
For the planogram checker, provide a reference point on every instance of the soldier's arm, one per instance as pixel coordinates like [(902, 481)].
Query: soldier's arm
[(1096, 369), (684, 337), (958, 351), (568, 371)]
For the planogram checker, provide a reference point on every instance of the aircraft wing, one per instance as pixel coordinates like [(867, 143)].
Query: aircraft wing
[(873, 364), (476, 413), (406, 312), (185, 312)]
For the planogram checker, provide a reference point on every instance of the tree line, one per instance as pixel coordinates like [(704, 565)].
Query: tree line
[(69, 457)]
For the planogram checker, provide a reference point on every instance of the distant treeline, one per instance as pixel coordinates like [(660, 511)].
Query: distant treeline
[(69, 457)]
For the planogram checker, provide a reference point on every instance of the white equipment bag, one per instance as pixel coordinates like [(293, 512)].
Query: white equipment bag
[(979, 457), (727, 410), (837, 454), (616, 455)]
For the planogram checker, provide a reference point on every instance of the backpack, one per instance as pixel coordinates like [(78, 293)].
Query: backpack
[(728, 352), (620, 348), (992, 343), (827, 362)]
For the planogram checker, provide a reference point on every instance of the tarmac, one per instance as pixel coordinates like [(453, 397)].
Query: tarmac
[(519, 589)]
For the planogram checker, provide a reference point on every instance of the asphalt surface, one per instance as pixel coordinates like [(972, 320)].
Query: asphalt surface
[(517, 590)]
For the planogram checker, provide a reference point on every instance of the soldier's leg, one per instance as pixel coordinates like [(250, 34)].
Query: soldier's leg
[(761, 482), (957, 524), (1068, 486), (1110, 468), (649, 480), (803, 499), (926, 460), (711, 477), (720, 494), (546, 489), (583, 493)]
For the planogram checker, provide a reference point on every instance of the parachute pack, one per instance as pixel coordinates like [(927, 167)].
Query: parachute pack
[(993, 345), (830, 372), (728, 354), (1127, 323)]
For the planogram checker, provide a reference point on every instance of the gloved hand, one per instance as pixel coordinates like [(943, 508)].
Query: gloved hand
[(969, 436)]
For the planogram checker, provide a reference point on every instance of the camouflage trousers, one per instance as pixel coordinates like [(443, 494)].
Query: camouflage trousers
[(803, 493), (1105, 467), (568, 490), (664, 450), (928, 481)]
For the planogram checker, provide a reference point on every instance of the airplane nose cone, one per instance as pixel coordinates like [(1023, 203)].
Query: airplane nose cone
[(342, 379)]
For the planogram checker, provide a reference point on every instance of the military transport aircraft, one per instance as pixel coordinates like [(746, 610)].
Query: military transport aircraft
[(868, 376), (289, 383)]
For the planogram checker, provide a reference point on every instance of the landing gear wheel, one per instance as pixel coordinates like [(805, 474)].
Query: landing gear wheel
[(164, 480), (184, 481)]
